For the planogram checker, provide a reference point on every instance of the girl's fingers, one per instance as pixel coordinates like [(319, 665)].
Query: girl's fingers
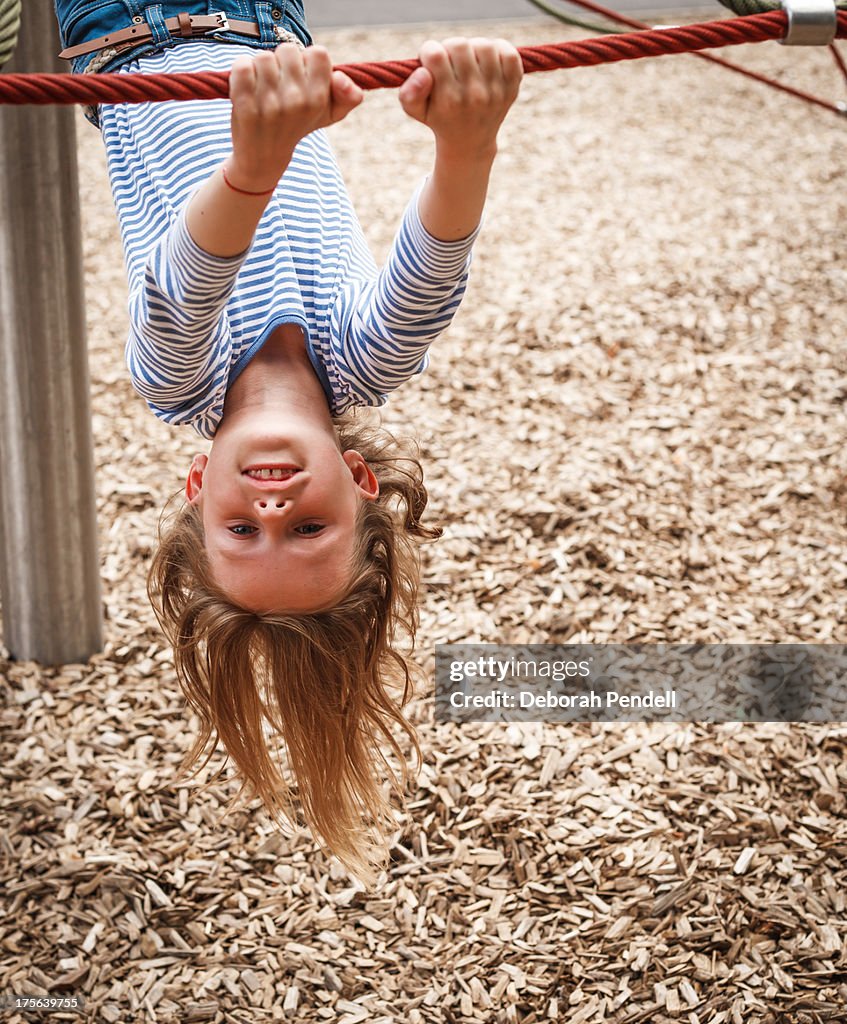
[(317, 68), (462, 60), (242, 79), (344, 95), (318, 65), (284, 52), (290, 66), (267, 82), (434, 57), (414, 93), (487, 56), (511, 62), (291, 90)]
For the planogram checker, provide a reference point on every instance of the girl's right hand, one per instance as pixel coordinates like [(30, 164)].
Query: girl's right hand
[(278, 98)]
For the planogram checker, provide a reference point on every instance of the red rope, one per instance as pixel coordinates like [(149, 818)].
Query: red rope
[(131, 88), (839, 60), (589, 5)]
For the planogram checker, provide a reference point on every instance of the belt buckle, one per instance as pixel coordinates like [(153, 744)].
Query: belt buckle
[(223, 23)]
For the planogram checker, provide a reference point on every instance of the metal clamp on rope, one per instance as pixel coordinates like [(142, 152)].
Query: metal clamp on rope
[(810, 22)]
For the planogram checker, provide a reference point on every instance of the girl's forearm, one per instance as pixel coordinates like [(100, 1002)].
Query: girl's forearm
[(452, 200), (221, 220)]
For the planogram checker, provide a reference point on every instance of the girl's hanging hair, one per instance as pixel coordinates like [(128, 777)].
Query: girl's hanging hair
[(321, 682)]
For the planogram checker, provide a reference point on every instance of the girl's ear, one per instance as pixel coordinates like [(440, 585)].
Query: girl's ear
[(194, 483), (363, 475)]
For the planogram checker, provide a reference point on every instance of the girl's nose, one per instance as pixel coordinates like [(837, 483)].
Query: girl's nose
[(270, 506)]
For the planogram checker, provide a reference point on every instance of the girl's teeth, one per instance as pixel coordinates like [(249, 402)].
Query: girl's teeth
[(270, 474)]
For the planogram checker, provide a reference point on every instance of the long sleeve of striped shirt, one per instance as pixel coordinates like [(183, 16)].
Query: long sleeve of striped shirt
[(179, 341), (371, 336), (382, 328), (196, 320)]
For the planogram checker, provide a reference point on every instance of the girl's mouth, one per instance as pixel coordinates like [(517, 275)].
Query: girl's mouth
[(271, 472)]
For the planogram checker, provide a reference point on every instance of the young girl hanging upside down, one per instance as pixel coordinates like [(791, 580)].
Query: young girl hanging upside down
[(258, 316)]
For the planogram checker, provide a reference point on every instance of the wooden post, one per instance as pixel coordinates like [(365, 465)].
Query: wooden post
[(49, 566)]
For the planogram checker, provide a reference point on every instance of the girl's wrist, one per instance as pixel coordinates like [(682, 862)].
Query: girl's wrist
[(460, 156), (460, 166), (245, 184)]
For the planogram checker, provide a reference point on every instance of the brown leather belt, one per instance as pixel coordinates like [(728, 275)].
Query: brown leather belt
[(184, 25)]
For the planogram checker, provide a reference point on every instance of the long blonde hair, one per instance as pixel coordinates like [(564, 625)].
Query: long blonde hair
[(320, 681)]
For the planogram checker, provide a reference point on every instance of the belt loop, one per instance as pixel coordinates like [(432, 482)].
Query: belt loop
[(156, 21), (268, 16)]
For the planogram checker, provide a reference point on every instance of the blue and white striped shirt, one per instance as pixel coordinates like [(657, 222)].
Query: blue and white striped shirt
[(196, 320)]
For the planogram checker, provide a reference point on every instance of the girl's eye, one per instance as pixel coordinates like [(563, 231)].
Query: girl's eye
[(242, 530), (310, 529)]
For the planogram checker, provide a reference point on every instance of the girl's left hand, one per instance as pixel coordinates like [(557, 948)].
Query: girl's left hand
[(463, 91)]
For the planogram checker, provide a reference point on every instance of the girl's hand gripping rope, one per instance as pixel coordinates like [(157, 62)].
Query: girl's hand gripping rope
[(277, 98), (462, 91)]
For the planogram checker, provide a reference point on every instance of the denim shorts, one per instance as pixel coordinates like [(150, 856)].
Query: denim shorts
[(83, 20)]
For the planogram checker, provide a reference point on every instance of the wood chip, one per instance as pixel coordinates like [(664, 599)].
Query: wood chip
[(745, 859)]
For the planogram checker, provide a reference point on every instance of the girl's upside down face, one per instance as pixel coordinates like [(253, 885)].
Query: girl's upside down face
[(286, 513), (280, 507)]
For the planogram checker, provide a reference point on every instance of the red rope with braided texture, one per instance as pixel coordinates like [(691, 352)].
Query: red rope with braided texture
[(134, 88), (800, 94)]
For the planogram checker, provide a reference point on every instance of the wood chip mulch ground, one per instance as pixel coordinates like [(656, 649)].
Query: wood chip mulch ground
[(634, 431)]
